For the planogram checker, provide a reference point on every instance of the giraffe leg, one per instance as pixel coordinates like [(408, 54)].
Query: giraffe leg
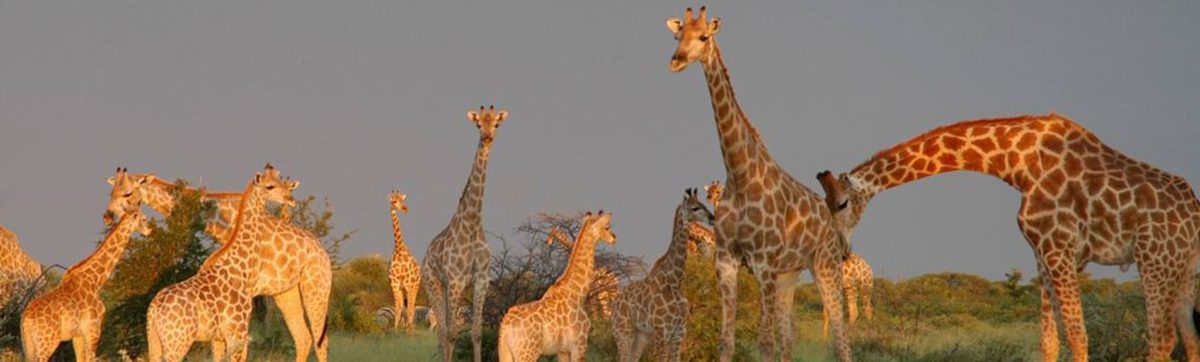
[(851, 301), (1159, 283), (479, 295), (411, 307), (768, 292), (1050, 346), (397, 304), (827, 275), (218, 350), (676, 330), (314, 293), (448, 331), (292, 308), (727, 272), (1183, 313), (579, 352), (786, 286), (824, 324), (1065, 281), (92, 336), (80, 344), (623, 331), (865, 289)]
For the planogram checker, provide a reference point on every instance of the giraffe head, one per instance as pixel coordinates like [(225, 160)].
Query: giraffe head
[(714, 191), (126, 193), (697, 38), (598, 226), (274, 188), (488, 120), (692, 209), (398, 200), (847, 198), (141, 223)]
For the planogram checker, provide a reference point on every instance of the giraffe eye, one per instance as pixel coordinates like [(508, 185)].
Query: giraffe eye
[(704, 38), (843, 205), (128, 194), (270, 187)]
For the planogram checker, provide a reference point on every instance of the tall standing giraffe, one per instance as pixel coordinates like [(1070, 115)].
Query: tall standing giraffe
[(18, 270), (1081, 201), (558, 323), (857, 281), (767, 220), (73, 311), (404, 274), (654, 311), (147, 189), (263, 256), (458, 257)]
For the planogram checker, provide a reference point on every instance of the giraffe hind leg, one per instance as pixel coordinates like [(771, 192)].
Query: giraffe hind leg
[(1184, 315), (292, 308)]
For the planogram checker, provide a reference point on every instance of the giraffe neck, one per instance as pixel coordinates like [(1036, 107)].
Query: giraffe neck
[(235, 258), (668, 269), (96, 268), (1010, 149), (470, 203), (577, 278), (158, 197), (741, 146), (397, 234)]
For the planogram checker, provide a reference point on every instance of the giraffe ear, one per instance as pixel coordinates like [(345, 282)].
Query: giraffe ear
[(257, 178), (112, 180), (674, 25), (473, 116), (292, 185), (714, 26), (403, 197), (501, 116)]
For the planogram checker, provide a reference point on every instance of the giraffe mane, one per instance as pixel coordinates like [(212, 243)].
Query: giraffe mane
[(955, 126), (237, 226)]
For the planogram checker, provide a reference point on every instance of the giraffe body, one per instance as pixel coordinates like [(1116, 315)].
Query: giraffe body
[(857, 282), (558, 323), (1082, 202), (73, 311), (604, 286), (458, 257), (18, 270), (268, 257), (404, 273), (653, 311), (768, 221)]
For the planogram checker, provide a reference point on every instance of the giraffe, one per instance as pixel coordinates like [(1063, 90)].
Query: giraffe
[(558, 323), (18, 270), (73, 311), (458, 257), (654, 311), (263, 256), (1081, 201), (603, 288), (857, 280), (147, 189), (770, 222), (404, 273)]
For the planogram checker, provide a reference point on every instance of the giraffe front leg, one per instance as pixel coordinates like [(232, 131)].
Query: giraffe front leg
[(1065, 282), (727, 273), (1183, 313), (1159, 280), (1050, 346), (865, 295), (851, 301), (478, 296), (410, 310), (397, 303), (785, 298), (768, 292), (218, 350), (827, 276)]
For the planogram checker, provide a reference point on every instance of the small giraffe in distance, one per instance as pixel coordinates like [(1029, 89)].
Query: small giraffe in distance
[(73, 311), (857, 280), (654, 311), (558, 323), (404, 273)]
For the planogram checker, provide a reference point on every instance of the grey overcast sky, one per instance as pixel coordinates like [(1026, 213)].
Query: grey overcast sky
[(356, 98)]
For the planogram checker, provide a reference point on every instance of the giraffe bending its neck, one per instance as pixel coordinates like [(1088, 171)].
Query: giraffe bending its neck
[(767, 220), (18, 271), (654, 311), (458, 257), (149, 190), (603, 288), (857, 280), (558, 323), (73, 311), (1081, 202), (263, 256), (404, 274)]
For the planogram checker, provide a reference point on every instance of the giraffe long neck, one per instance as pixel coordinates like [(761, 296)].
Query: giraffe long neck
[(96, 268), (158, 197), (668, 269), (236, 258), (1015, 150), (397, 234), (741, 146), (577, 278), (470, 203)]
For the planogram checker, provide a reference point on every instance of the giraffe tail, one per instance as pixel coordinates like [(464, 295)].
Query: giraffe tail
[(324, 334)]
